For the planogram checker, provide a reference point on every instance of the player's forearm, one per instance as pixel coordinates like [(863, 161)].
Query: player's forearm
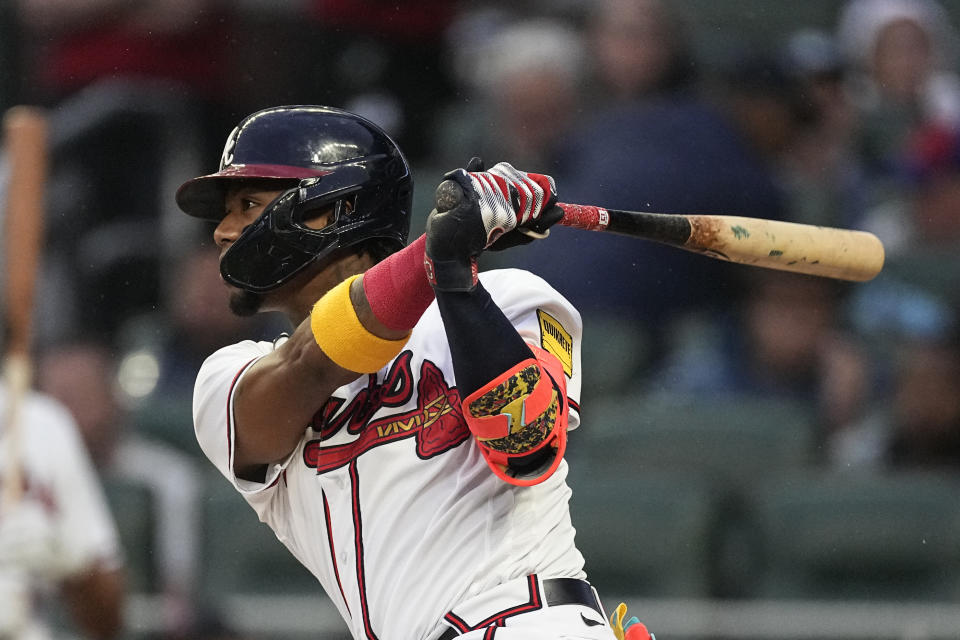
[(512, 403), (513, 397), (483, 342)]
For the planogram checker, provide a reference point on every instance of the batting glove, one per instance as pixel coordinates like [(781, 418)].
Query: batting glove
[(519, 207), (499, 208), (532, 198)]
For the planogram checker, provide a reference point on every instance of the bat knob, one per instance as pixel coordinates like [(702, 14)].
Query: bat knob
[(448, 195)]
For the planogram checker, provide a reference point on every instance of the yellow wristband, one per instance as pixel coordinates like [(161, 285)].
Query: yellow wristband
[(341, 336)]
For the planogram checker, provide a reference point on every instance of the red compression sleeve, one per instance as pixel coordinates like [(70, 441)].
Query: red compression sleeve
[(397, 288)]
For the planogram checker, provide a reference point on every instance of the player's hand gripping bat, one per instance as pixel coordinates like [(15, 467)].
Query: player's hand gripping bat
[(788, 246), (25, 133)]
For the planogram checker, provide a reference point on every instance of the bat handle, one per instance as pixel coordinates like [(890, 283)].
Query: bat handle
[(580, 216), (583, 216)]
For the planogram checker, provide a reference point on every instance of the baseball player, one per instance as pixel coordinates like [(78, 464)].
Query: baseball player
[(59, 535), (406, 440)]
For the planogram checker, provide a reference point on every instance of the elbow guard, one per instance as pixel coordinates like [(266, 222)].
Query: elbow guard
[(520, 420)]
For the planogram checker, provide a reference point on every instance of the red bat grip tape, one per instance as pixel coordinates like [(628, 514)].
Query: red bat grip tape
[(582, 216)]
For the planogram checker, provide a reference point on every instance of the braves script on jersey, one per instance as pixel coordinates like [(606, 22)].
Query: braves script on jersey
[(387, 499)]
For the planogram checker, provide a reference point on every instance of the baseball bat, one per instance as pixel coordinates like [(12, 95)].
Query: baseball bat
[(25, 132), (787, 246)]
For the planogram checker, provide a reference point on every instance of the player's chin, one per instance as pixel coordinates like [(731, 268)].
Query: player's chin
[(245, 303)]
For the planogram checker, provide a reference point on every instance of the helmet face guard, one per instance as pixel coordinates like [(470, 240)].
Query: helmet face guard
[(346, 165), (359, 204)]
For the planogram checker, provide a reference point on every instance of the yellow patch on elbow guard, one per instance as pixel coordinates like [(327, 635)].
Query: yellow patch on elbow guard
[(520, 398), (340, 334), (526, 436), (508, 392)]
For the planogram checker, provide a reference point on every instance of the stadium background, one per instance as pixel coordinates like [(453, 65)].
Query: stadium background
[(714, 510)]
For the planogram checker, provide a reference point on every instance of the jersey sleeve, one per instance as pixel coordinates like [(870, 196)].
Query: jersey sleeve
[(213, 416), (85, 528), (542, 317)]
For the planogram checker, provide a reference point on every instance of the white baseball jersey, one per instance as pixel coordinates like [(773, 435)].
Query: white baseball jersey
[(61, 525), (386, 499)]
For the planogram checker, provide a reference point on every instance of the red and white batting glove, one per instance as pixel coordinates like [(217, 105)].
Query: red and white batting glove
[(511, 200), (502, 207)]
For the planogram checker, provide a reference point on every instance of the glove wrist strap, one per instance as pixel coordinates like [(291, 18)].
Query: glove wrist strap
[(452, 275)]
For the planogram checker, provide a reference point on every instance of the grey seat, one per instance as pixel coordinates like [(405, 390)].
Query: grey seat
[(735, 438), (643, 532), (864, 536)]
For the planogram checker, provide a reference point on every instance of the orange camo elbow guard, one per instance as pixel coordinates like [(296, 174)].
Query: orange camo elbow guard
[(517, 416)]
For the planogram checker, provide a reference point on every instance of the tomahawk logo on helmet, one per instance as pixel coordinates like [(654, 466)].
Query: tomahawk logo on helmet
[(329, 158)]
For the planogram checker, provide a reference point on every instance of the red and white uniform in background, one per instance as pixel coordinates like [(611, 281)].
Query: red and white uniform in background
[(62, 524), (387, 500)]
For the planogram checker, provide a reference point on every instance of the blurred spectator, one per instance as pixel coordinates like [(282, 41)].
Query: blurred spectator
[(82, 375), (901, 57), (918, 426), (926, 411), (60, 559), (640, 50), (194, 321), (525, 81), (161, 352), (820, 169), (673, 153), (199, 321), (923, 218), (767, 103), (930, 215), (784, 340)]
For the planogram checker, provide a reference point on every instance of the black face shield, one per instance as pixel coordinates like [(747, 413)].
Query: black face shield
[(340, 158)]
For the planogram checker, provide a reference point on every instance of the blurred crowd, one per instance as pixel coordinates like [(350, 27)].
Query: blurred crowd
[(850, 122)]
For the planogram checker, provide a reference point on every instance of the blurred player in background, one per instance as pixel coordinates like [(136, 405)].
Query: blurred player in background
[(58, 542), (120, 452), (406, 442)]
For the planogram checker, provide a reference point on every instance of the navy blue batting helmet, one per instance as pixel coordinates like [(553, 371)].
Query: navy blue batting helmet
[(334, 158)]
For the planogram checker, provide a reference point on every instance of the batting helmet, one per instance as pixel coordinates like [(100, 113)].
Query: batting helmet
[(334, 158)]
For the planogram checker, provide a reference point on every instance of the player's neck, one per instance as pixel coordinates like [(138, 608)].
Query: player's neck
[(306, 289)]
